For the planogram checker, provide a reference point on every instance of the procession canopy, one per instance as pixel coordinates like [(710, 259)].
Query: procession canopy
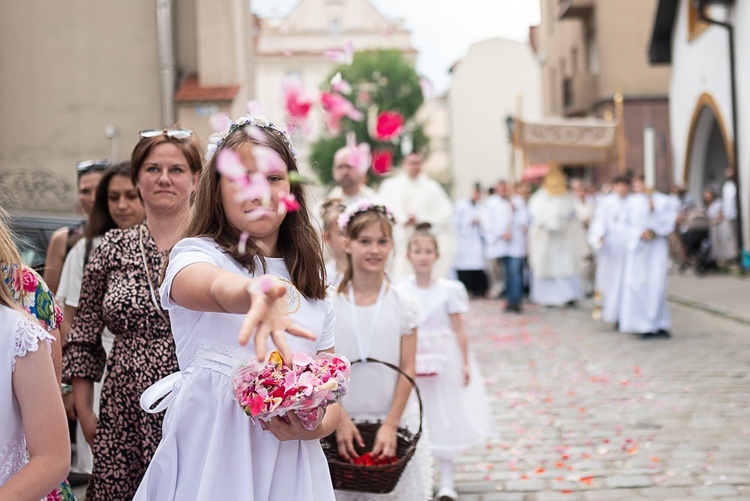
[(567, 141)]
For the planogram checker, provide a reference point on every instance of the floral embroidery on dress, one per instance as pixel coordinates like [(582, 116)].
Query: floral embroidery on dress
[(12, 457), (28, 334), (30, 292)]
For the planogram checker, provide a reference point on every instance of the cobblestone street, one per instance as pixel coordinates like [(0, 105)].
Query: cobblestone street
[(586, 413)]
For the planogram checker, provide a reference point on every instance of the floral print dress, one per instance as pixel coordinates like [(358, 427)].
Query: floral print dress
[(31, 292), (116, 294)]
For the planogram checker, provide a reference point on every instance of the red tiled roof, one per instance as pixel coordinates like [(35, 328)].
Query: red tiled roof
[(191, 90)]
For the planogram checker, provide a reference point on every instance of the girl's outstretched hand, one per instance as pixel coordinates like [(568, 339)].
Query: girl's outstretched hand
[(385, 442), (346, 435), (269, 316)]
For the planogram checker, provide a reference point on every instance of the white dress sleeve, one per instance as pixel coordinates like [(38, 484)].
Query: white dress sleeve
[(28, 333), (412, 315), (186, 252), (69, 290), (327, 339), (458, 298)]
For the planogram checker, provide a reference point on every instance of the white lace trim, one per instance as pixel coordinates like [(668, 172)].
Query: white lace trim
[(28, 333), (411, 313), (12, 457)]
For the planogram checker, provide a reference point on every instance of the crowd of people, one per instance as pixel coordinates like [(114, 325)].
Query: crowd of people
[(185, 268), (177, 275)]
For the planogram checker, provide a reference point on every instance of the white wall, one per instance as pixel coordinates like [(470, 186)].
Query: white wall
[(484, 91), (701, 66)]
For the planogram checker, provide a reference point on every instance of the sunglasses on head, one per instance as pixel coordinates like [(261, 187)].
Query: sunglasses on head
[(85, 166), (173, 133)]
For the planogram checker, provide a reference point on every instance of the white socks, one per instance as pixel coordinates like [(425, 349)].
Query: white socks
[(446, 474)]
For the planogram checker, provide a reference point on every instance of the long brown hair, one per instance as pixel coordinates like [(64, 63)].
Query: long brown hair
[(356, 225), (100, 221), (10, 262), (298, 242)]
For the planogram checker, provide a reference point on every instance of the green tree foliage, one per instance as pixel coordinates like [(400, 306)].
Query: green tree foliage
[(386, 81)]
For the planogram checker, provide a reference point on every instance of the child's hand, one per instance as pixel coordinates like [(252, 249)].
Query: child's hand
[(467, 375), (268, 316), (385, 441), (289, 427), (346, 435)]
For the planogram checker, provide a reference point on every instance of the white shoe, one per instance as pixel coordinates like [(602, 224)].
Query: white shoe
[(447, 494)]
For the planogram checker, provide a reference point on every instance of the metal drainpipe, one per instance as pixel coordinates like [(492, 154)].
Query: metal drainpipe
[(702, 4), (165, 50)]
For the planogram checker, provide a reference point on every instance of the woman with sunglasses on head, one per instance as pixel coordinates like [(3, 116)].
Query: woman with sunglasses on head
[(116, 205), (88, 173), (120, 283)]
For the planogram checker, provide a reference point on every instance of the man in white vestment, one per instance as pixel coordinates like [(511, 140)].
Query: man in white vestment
[(650, 218), (607, 236), (415, 198), (557, 244), (469, 261)]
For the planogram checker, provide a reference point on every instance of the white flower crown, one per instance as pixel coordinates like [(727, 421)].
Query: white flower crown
[(215, 139), (363, 206)]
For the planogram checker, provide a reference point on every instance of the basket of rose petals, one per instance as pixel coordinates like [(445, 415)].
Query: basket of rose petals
[(312, 382), (367, 473)]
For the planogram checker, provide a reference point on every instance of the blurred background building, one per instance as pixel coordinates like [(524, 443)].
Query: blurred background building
[(496, 80), (591, 51), (708, 111), (80, 79)]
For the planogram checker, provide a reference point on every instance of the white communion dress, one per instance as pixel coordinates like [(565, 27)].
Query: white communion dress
[(22, 335), (379, 329), (210, 449), (458, 416)]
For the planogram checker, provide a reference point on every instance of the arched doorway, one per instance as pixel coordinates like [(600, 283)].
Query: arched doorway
[(709, 149)]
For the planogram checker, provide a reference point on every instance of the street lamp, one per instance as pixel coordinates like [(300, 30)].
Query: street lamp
[(510, 125)]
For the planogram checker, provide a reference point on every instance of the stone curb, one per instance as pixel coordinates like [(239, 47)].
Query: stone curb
[(716, 309)]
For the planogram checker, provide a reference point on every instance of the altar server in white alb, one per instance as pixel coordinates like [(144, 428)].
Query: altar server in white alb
[(651, 218), (557, 244), (469, 262), (607, 236), (415, 198)]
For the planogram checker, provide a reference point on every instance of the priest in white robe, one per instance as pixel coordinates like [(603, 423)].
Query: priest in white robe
[(651, 218), (607, 236), (415, 198), (470, 258), (557, 244)]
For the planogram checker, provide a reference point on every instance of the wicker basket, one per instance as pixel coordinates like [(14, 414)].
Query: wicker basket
[(374, 479)]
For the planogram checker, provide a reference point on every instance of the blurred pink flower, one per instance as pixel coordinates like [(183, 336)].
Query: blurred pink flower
[(297, 100), (382, 161), (337, 107), (345, 56), (338, 84), (219, 121), (388, 125), (359, 154), (289, 203)]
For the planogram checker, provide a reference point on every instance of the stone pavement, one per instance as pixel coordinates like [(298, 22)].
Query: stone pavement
[(585, 413)]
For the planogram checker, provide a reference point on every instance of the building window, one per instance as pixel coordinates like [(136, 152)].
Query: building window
[(335, 27), (574, 61), (696, 25)]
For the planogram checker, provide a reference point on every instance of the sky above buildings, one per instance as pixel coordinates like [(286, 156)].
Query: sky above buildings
[(442, 30)]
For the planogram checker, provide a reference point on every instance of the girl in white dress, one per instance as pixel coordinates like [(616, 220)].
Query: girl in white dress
[(456, 405), (215, 290), (34, 445), (373, 319), (329, 215)]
